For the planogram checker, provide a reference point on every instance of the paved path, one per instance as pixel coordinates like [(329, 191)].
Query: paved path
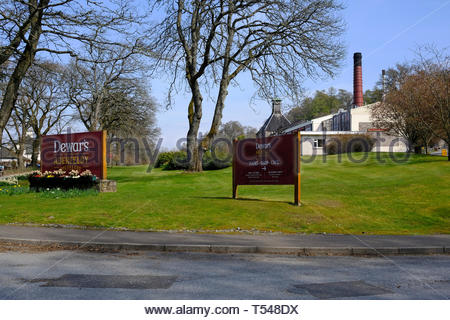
[(169, 275), (299, 244)]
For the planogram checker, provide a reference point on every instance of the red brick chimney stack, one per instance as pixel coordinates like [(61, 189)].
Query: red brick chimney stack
[(357, 80)]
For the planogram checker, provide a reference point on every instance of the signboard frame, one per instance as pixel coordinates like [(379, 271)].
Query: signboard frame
[(97, 167), (296, 176)]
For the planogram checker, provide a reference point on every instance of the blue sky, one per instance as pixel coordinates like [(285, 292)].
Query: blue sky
[(386, 32)]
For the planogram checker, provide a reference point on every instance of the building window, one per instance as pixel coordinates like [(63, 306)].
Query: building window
[(318, 143)]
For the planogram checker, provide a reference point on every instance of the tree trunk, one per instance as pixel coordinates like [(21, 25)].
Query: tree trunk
[(12, 89), (448, 147), (25, 61), (19, 154), (20, 164), (35, 151), (95, 119), (217, 119), (195, 155)]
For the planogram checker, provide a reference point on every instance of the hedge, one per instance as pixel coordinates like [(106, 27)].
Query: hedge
[(177, 160)]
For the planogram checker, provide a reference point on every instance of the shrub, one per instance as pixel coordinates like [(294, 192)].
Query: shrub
[(217, 161), (177, 160), (23, 177), (163, 159), (350, 143)]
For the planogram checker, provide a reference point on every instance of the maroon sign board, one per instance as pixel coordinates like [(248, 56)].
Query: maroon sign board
[(267, 161), (75, 151)]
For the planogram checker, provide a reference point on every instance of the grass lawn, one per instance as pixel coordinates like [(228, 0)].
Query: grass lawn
[(368, 197)]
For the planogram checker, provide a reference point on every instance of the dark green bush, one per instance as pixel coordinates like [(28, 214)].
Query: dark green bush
[(217, 161), (177, 160), (163, 159), (23, 177)]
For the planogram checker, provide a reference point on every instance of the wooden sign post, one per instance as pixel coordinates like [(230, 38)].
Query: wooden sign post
[(267, 161)]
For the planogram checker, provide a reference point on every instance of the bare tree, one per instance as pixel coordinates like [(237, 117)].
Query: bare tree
[(89, 82), (431, 88), (17, 132), (57, 27), (234, 129), (397, 112), (109, 92), (128, 110), (43, 99), (417, 104), (231, 130), (278, 42), (128, 113)]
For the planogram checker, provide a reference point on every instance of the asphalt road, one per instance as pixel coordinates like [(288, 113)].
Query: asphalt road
[(160, 275)]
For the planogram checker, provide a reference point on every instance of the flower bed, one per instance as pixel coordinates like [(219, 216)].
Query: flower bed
[(60, 180)]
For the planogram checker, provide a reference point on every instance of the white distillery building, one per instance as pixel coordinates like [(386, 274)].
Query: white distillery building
[(317, 132)]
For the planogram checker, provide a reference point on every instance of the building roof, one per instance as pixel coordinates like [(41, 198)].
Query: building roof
[(329, 133), (322, 118), (296, 126), (6, 154), (274, 123)]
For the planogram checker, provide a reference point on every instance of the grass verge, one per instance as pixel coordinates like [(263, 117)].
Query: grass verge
[(376, 196)]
